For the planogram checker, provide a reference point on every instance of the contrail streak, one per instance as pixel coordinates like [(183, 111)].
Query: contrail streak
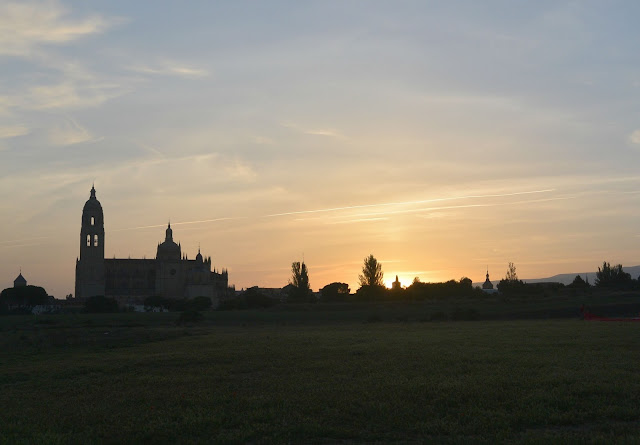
[(24, 239), (350, 221), (465, 206), (180, 223), (363, 206), (19, 245)]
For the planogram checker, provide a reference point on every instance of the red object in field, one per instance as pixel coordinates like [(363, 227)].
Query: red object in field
[(591, 317)]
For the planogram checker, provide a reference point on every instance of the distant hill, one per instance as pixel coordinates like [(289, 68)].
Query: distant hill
[(567, 278)]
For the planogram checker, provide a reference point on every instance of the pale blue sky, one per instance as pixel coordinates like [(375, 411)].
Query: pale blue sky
[(197, 111)]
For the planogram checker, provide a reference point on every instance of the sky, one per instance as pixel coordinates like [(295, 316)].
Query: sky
[(444, 138)]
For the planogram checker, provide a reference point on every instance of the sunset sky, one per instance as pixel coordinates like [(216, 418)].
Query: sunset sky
[(441, 137)]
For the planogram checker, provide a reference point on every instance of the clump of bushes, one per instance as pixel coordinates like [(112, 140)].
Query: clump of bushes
[(189, 316), (250, 299), (178, 305), (99, 304)]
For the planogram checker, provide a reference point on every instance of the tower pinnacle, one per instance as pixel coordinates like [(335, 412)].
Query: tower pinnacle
[(169, 233)]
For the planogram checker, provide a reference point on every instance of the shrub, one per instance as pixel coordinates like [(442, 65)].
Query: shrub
[(100, 304), (200, 303), (250, 299), (335, 292), (155, 301), (189, 316)]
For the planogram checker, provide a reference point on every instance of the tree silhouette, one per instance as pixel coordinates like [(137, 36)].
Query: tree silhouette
[(578, 282), (612, 276), (371, 272), (511, 273), (300, 282), (335, 292), (466, 283), (371, 285), (24, 296), (510, 284)]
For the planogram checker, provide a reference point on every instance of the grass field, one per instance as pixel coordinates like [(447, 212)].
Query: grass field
[(275, 379)]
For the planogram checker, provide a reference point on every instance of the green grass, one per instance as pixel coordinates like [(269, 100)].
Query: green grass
[(142, 379)]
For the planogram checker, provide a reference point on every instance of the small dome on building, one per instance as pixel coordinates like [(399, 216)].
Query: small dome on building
[(487, 285)]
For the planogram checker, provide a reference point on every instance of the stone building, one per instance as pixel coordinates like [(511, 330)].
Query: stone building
[(169, 275)]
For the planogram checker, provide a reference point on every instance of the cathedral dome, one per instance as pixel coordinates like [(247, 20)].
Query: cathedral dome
[(169, 250)]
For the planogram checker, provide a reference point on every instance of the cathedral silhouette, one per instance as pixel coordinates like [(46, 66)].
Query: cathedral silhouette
[(169, 275)]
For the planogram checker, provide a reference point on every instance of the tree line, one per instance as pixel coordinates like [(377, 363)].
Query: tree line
[(607, 278), (372, 288)]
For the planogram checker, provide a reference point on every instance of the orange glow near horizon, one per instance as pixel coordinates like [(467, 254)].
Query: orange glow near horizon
[(405, 279), (439, 171)]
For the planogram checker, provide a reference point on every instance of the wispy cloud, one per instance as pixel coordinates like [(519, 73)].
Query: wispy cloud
[(13, 131), (151, 149), (357, 220), (180, 223), (27, 25), (70, 95), (329, 132), (241, 170), (324, 132), (400, 203), (70, 133), (171, 68)]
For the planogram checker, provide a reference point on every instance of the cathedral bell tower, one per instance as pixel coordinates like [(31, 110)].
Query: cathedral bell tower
[(90, 265)]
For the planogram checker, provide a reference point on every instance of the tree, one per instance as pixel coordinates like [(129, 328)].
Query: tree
[(335, 292), (614, 277), (511, 273), (371, 272), (300, 282), (24, 296), (371, 284), (578, 282), (510, 284), (466, 283)]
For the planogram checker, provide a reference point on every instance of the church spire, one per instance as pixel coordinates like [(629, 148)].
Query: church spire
[(169, 233), (93, 191)]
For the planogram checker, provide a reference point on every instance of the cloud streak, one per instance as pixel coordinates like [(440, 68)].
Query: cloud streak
[(401, 203), (201, 221), (13, 131), (25, 26), (171, 68), (377, 216), (70, 133)]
